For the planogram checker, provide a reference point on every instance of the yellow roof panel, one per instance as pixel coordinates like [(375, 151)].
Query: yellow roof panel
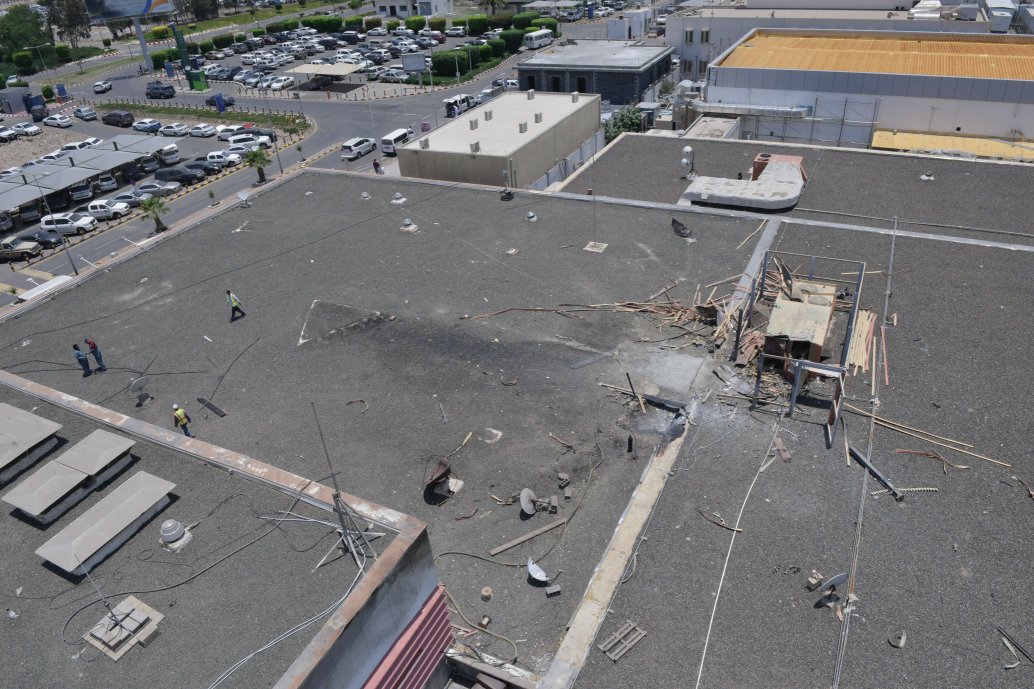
[(932, 56), (1022, 151)]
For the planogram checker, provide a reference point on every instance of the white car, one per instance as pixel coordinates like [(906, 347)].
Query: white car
[(375, 72), (249, 59), (107, 210), (147, 124), (456, 31), (68, 223), (174, 129), (202, 130), (57, 121), (101, 86), (10, 171), (26, 129), (75, 146), (229, 130), (265, 82), (250, 139), (224, 159), (395, 75), (52, 156), (357, 148), (239, 150), (377, 31), (281, 83), (159, 188)]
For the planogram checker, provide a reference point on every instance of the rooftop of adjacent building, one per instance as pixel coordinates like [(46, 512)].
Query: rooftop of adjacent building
[(739, 12), (946, 55), (501, 135), (598, 54)]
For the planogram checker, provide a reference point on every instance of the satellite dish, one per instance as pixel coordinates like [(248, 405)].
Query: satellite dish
[(532, 217), (536, 572), (139, 386), (528, 500), (243, 196), (364, 196), (687, 150)]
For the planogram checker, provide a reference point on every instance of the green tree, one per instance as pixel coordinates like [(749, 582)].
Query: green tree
[(371, 22), (513, 38), (21, 27), (393, 24), (491, 5), (628, 119), (23, 61), (477, 24), (437, 23), (70, 18), (547, 23), (117, 26), (156, 208), (258, 159), (354, 5), (63, 53), (523, 20), (416, 23), (204, 9), (47, 91)]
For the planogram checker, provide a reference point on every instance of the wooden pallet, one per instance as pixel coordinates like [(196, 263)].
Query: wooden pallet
[(621, 642)]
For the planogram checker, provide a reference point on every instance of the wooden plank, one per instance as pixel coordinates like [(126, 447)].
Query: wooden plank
[(527, 537)]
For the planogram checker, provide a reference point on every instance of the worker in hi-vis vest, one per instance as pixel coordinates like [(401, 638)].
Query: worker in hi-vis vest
[(235, 305), (180, 418)]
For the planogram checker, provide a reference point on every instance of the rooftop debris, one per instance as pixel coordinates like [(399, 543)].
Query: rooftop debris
[(621, 642)]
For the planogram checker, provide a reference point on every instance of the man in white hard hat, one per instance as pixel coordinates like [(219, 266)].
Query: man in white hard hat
[(180, 418)]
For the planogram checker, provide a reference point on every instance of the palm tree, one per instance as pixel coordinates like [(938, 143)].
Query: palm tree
[(258, 159), (155, 207), (492, 5)]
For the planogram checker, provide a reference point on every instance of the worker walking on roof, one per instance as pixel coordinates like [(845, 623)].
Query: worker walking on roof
[(180, 418), (377, 167), (235, 306), (96, 352), (80, 356)]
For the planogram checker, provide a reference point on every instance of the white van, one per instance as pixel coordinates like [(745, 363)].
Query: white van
[(168, 155), (393, 139), (458, 104), (537, 39)]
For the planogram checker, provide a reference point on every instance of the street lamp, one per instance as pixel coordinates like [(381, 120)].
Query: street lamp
[(46, 205), (37, 49)]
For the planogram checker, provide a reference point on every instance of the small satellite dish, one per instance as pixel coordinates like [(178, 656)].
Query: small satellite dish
[(528, 499), (531, 217), (398, 199), (687, 150), (364, 196), (536, 572), (243, 196), (139, 386)]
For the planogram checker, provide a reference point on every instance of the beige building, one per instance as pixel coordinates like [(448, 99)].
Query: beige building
[(514, 139)]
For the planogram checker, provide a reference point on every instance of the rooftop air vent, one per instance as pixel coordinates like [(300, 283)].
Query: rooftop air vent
[(531, 94), (488, 115), (574, 97), (474, 123), (425, 143), (538, 117), (475, 147), (522, 127)]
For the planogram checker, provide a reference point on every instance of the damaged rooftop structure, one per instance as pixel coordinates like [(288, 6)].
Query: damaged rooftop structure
[(590, 438)]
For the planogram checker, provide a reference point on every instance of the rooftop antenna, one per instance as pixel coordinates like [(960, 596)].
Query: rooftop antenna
[(340, 508), (116, 621)]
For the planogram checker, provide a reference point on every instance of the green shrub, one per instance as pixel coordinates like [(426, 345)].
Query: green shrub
[(23, 61), (191, 27), (445, 63), (497, 46), (503, 20), (523, 20), (372, 22), (106, 42), (547, 23), (485, 52), (160, 57), (206, 46), (193, 48), (63, 53), (477, 24), (437, 23), (48, 92), (160, 33), (459, 21), (475, 55), (239, 37), (393, 24), (223, 40), (354, 23), (416, 23), (258, 32), (513, 38), (324, 24)]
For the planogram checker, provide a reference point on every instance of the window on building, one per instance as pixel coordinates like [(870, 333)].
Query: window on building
[(689, 36), (583, 86), (705, 36), (702, 69), (554, 84), (531, 83), (383, 9)]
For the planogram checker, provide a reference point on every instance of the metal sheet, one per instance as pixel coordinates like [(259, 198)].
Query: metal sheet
[(36, 494), (96, 451), (20, 431)]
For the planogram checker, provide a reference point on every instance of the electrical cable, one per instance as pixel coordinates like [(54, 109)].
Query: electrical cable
[(459, 611)]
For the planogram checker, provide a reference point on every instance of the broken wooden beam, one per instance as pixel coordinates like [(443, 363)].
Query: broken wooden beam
[(527, 537)]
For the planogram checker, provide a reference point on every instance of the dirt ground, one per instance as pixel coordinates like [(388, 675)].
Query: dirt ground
[(27, 148)]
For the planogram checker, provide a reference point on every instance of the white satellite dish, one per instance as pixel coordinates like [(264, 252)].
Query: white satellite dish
[(364, 196), (536, 572), (243, 196), (528, 500), (139, 386)]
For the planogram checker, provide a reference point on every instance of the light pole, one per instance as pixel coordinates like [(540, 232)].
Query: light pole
[(46, 205), (38, 52)]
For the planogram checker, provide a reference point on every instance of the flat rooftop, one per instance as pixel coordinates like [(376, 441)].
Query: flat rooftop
[(597, 54), (959, 55), (707, 12), (500, 135)]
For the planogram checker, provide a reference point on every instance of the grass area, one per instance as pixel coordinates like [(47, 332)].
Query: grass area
[(450, 81), (283, 121), (81, 53), (89, 73)]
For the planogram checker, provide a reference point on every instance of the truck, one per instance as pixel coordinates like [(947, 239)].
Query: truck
[(105, 210), (14, 249)]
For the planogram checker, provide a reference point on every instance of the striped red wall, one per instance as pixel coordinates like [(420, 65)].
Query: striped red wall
[(418, 650)]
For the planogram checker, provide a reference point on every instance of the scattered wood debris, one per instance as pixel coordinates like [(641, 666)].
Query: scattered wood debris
[(718, 520)]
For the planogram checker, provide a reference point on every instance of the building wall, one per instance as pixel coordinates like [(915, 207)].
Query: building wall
[(629, 25), (890, 5), (699, 39), (618, 87), (525, 164)]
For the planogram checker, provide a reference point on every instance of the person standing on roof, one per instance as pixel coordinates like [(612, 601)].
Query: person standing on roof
[(96, 352), (180, 418), (235, 306), (80, 356)]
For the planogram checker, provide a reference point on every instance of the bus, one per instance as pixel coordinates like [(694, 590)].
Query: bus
[(537, 39)]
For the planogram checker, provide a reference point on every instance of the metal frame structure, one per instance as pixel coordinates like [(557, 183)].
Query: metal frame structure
[(758, 291)]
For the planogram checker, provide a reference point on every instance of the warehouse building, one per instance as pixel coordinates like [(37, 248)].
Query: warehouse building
[(701, 34), (621, 72), (843, 87), (516, 140)]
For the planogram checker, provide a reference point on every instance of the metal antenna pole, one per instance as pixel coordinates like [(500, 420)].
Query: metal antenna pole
[(104, 600), (339, 505)]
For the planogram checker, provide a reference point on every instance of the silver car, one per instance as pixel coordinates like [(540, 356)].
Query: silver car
[(159, 188)]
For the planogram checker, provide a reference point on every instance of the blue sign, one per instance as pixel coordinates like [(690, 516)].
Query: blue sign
[(170, 69), (220, 104), (62, 92)]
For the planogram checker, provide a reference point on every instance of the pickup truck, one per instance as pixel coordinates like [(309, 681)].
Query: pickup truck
[(105, 210), (14, 249)]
